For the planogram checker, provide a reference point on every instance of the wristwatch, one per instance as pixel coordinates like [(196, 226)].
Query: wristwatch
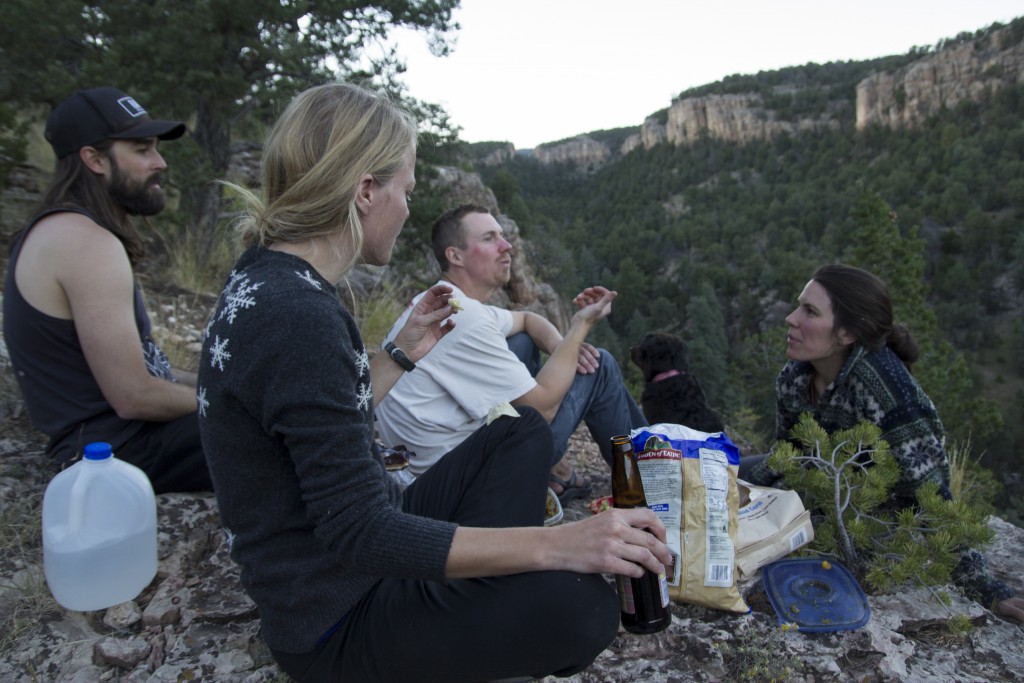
[(399, 357)]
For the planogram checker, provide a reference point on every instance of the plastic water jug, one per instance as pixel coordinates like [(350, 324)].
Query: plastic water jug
[(99, 532)]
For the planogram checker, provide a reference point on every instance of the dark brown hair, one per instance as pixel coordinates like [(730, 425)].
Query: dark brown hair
[(861, 306), (74, 186), (448, 232)]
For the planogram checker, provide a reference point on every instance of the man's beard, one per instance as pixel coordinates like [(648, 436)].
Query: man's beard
[(138, 199)]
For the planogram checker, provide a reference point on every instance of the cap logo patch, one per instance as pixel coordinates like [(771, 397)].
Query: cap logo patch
[(131, 107)]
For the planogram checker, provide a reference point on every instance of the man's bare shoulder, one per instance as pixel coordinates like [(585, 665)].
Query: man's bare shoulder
[(66, 255), (69, 225), (61, 239)]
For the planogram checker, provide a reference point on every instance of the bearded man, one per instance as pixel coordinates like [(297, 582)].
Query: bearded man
[(75, 322)]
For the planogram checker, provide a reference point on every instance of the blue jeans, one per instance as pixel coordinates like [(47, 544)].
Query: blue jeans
[(599, 399)]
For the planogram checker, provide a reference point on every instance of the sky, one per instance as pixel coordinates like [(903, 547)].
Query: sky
[(535, 71)]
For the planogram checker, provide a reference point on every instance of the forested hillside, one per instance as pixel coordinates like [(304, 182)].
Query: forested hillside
[(714, 241)]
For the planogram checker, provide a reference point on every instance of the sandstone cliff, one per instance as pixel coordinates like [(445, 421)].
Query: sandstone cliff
[(737, 118), (588, 154), (964, 72)]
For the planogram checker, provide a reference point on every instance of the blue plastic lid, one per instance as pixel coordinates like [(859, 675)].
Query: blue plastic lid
[(815, 595), (98, 451)]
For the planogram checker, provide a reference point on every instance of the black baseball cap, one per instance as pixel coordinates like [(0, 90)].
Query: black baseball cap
[(97, 114)]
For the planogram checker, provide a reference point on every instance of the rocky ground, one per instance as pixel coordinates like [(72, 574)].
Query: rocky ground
[(195, 623)]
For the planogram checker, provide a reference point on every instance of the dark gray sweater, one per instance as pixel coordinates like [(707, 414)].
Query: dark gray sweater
[(286, 419)]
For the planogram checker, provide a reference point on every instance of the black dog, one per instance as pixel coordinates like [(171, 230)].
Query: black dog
[(671, 394)]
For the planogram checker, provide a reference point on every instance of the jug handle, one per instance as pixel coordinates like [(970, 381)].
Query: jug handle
[(76, 502)]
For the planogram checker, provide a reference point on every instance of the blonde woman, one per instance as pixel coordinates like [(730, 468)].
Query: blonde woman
[(456, 579)]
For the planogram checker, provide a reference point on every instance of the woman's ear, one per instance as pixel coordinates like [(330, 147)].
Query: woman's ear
[(843, 337), (365, 194), (94, 160)]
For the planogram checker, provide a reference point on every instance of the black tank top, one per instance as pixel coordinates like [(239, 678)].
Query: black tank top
[(62, 397)]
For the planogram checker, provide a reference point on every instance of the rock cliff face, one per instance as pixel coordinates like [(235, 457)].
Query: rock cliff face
[(737, 118), (965, 72), (499, 156), (588, 154), (898, 98)]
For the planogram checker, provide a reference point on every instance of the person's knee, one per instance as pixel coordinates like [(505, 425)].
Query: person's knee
[(525, 350), (529, 432), (530, 420), (588, 614), (608, 365)]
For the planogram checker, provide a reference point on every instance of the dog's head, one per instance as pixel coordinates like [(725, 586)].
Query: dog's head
[(659, 352)]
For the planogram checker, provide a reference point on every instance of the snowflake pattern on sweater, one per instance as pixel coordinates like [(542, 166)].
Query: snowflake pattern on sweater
[(286, 417), (239, 295)]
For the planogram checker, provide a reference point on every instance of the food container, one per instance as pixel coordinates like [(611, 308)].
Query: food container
[(815, 595), (553, 509)]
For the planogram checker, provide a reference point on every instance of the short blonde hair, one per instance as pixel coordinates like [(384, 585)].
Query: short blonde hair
[(328, 137)]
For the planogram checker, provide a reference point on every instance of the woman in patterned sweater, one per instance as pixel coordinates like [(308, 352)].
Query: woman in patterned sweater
[(453, 579), (848, 362)]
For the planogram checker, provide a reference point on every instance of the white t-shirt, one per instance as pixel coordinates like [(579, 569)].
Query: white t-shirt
[(433, 408)]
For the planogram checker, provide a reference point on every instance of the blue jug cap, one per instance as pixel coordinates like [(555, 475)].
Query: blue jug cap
[(98, 451)]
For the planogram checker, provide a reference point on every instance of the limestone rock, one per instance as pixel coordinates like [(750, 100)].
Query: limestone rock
[(498, 156), (585, 152), (738, 118), (123, 653), (124, 616), (965, 72), (212, 632)]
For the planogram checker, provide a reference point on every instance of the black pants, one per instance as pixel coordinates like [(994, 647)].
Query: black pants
[(171, 454), (537, 623)]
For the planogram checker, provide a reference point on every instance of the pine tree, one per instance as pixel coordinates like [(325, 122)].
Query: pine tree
[(708, 347), (878, 246), (847, 478)]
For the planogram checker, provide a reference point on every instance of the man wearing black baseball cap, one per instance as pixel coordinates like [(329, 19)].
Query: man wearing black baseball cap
[(91, 116), (75, 321)]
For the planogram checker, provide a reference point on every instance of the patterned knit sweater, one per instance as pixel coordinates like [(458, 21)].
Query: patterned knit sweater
[(877, 387), (873, 386), (286, 418)]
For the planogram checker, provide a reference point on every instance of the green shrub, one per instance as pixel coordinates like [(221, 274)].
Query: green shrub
[(848, 478)]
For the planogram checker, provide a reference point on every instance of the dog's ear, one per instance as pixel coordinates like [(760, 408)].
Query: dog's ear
[(680, 356)]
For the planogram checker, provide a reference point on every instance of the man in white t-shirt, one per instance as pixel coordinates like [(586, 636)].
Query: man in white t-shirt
[(473, 373)]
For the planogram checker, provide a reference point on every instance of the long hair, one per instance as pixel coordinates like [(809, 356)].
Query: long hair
[(447, 231), (74, 186), (328, 137), (861, 305)]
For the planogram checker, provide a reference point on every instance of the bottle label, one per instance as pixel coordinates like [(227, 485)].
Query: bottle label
[(663, 584)]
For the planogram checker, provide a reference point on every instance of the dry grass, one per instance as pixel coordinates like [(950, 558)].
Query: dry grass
[(194, 270), (24, 595), (377, 312), (178, 324), (969, 481)]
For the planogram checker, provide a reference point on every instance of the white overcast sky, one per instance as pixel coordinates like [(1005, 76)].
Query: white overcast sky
[(534, 71)]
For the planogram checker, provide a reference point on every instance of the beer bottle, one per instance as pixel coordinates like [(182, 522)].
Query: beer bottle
[(643, 602)]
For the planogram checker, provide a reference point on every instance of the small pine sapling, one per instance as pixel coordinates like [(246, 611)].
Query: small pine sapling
[(847, 478)]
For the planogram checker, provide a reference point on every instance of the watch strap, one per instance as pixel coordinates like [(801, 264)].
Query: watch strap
[(399, 357)]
